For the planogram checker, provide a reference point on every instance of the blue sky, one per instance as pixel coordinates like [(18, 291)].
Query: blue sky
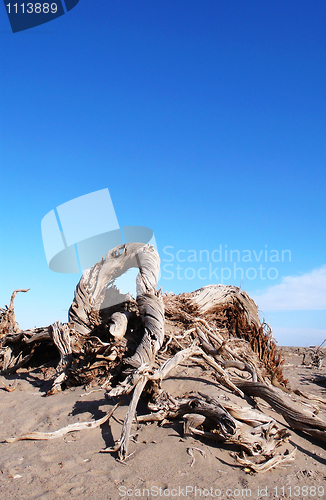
[(206, 122)]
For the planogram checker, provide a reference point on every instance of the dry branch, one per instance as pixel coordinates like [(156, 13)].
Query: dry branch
[(78, 426), (8, 324)]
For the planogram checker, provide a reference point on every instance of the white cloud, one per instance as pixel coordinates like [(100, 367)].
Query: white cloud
[(305, 292)]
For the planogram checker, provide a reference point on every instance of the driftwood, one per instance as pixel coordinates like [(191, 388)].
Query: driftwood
[(128, 346)]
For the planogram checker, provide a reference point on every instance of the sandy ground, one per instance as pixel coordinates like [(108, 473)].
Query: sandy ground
[(160, 467)]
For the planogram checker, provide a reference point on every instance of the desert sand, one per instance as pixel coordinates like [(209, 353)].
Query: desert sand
[(163, 464)]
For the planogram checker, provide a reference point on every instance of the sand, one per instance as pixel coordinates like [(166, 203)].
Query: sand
[(160, 466)]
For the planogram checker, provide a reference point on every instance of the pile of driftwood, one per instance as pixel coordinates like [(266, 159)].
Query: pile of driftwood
[(131, 346)]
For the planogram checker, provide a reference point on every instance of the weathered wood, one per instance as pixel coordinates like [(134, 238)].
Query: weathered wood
[(296, 416), (118, 324), (90, 292), (151, 310), (61, 337), (78, 426), (279, 461), (8, 322), (217, 326)]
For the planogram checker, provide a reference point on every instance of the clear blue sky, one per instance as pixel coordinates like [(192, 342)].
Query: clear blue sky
[(205, 119)]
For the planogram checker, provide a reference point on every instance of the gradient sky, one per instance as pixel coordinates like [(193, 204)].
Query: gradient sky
[(205, 119)]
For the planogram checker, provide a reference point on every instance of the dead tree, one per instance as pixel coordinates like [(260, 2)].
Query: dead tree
[(128, 346)]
